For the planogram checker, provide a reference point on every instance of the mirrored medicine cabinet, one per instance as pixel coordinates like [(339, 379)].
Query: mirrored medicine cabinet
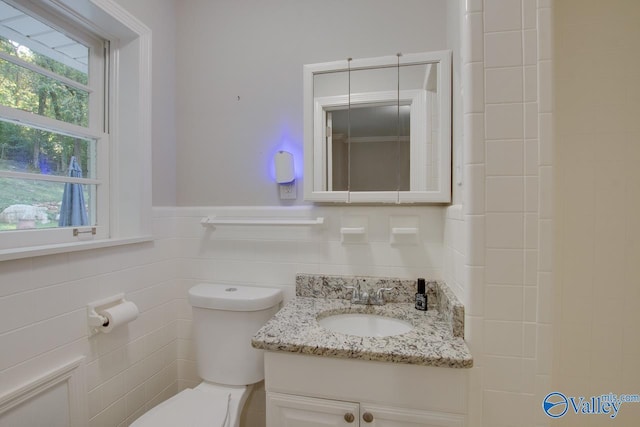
[(378, 130)]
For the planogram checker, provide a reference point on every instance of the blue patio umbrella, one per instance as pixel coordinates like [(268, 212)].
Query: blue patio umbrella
[(73, 211)]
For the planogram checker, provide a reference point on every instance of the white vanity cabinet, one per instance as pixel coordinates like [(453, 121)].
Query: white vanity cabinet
[(299, 411), (312, 391)]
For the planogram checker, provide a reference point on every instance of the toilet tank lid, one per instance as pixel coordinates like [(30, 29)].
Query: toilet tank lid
[(234, 297)]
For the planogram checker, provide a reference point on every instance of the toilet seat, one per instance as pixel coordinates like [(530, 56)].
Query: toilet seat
[(191, 407)]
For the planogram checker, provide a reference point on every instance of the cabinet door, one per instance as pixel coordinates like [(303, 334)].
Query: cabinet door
[(380, 416), (285, 410)]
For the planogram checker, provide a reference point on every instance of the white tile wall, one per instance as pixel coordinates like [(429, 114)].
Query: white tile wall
[(508, 263), (503, 49), (504, 121), (503, 373), (473, 79), (505, 157), (474, 151), (504, 302), (503, 85), (455, 249), (502, 15), (43, 317), (473, 37), (504, 231)]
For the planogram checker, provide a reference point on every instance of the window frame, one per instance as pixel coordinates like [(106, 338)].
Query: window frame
[(96, 130), (124, 160)]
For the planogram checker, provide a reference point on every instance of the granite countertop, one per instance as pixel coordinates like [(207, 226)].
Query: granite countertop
[(436, 340)]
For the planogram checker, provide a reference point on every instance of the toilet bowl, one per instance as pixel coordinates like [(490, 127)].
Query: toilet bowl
[(225, 317), (207, 405)]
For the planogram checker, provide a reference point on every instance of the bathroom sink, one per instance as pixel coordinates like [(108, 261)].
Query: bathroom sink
[(365, 325)]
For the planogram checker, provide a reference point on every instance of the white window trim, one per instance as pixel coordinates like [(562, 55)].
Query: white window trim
[(130, 125)]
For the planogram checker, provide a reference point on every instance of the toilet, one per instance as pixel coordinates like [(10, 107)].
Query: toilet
[(225, 317)]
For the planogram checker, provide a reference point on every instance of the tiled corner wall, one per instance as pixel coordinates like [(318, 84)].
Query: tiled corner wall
[(43, 317), (507, 208)]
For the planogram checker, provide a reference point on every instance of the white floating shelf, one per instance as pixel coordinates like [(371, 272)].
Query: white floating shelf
[(212, 220)]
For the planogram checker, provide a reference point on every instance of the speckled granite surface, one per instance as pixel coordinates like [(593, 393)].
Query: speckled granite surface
[(439, 296), (432, 342)]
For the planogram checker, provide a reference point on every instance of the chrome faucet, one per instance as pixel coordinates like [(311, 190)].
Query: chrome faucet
[(358, 296)]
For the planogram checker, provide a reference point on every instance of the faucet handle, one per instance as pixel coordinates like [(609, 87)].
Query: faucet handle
[(380, 294), (355, 290), (381, 290)]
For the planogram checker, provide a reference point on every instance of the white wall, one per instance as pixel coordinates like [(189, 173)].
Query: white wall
[(598, 202), (160, 17), (255, 50)]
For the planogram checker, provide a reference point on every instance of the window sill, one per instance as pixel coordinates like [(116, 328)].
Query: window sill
[(33, 251)]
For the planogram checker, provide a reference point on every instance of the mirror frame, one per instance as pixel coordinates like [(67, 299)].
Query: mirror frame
[(315, 161)]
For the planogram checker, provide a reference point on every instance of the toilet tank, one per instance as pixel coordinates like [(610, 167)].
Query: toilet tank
[(225, 317)]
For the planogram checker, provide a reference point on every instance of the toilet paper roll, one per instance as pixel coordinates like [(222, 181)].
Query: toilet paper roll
[(119, 315)]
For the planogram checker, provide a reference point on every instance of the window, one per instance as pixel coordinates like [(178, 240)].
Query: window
[(74, 126), (53, 136)]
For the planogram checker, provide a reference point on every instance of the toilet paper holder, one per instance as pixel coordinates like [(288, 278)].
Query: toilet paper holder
[(97, 320)]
